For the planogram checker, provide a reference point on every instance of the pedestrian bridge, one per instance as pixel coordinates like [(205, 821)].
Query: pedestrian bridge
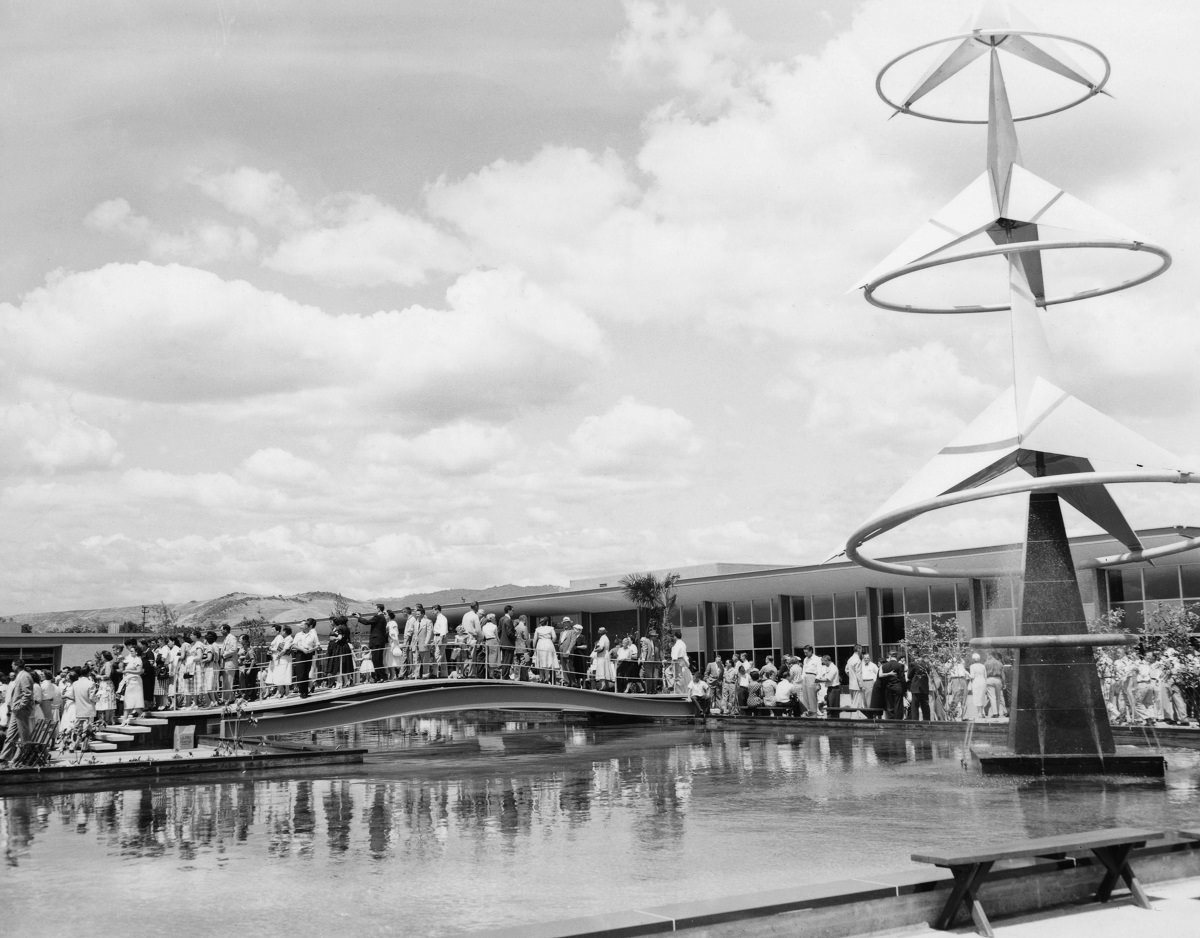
[(363, 702)]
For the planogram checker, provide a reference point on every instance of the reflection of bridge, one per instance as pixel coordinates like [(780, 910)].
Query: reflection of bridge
[(363, 702)]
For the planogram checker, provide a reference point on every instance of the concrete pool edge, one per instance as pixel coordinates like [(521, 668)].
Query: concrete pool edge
[(871, 904), (154, 765)]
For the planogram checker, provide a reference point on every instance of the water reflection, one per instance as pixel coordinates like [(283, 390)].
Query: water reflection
[(446, 802)]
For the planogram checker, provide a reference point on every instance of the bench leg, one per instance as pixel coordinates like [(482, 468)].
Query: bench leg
[(966, 885), (1116, 864)]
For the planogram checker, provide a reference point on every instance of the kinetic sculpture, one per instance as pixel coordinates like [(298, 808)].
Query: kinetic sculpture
[(1010, 214)]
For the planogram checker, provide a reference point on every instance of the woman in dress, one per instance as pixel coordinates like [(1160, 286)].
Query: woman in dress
[(275, 649), (133, 699), (521, 647), (393, 654), (195, 664), (106, 696), (977, 688), (341, 656), (162, 673), (283, 677), (602, 663), (545, 652)]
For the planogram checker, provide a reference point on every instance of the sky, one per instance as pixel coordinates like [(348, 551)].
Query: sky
[(382, 298)]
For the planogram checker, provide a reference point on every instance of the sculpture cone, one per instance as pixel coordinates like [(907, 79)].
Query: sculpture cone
[(1057, 705)]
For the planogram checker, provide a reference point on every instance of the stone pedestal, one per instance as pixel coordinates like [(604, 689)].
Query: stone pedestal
[(1057, 706), (1058, 724)]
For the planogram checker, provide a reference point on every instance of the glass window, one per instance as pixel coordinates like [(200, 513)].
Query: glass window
[(762, 635), (1190, 574), (691, 618), (891, 602), (916, 599), (1161, 582), (891, 629), (844, 606), (764, 610), (892, 625), (941, 597), (723, 614), (741, 613), (824, 633), (800, 608), (725, 636), (846, 631), (1124, 586), (962, 594), (822, 607), (861, 602)]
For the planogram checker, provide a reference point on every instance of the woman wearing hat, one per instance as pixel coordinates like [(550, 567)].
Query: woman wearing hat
[(602, 663)]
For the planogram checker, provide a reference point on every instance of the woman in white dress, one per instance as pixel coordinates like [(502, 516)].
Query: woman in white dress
[(976, 688), (283, 676), (602, 663), (133, 699), (106, 695), (393, 654), (545, 653)]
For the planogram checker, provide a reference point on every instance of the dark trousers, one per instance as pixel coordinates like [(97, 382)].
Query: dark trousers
[(894, 696), (301, 668), (377, 662), (920, 705)]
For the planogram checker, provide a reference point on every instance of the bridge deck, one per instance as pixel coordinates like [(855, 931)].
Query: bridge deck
[(363, 702)]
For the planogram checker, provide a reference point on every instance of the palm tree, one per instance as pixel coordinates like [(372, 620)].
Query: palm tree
[(656, 596)]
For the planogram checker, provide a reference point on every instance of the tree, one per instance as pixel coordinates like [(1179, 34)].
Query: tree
[(937, 640), (656, 596)]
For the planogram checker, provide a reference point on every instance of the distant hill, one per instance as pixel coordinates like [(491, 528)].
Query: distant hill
[(234, 607)]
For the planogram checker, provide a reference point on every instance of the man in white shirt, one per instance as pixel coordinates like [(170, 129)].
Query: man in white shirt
[(809, 670), (229, 651), (441, 636), (470, 639), (854, 680), (679, 668), (786, 696), (304, 648)]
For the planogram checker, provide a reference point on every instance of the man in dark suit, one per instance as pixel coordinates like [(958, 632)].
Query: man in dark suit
[(892, 675), (508, 639), (918, 686), (376, 639)]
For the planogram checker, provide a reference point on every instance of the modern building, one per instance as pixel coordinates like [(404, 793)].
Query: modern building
[(765, 610)]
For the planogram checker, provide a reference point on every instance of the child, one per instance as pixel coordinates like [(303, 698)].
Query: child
[(366, 669)]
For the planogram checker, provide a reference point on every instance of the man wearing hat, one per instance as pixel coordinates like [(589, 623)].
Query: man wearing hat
[(568, 638)]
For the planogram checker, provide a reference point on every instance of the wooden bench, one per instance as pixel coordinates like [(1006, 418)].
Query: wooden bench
[(771, 710), (871, 713), (971, 867)]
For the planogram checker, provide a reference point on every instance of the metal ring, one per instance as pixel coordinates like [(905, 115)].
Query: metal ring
[(896, 517), (1019, 247), (979, 34)]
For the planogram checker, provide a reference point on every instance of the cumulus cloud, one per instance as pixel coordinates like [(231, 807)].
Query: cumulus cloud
[(201, 242), (47, 438), (631, 436), (366, 243), (702, 56), (261, 195), (202, 338)]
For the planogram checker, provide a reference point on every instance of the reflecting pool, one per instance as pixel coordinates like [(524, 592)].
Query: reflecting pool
[(455, 825)]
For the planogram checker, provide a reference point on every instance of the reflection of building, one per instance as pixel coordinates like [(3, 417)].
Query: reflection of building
[(773, 610)]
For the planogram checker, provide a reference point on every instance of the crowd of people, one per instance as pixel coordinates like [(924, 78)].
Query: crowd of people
[(210, 668), (1143, 688), (894, 689)]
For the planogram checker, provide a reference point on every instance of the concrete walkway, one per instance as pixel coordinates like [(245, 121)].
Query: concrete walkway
[(1175, 914)]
